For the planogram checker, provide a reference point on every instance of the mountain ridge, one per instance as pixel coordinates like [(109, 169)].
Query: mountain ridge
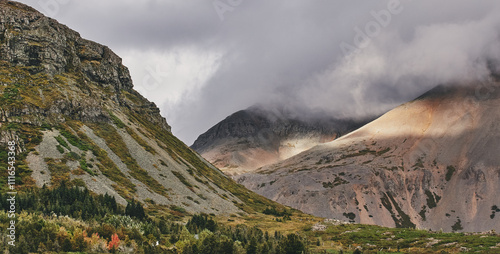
[(428, 163), (251, 138), (71, 105)]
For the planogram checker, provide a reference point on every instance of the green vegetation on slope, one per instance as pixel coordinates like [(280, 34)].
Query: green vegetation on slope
[(401, 219), (74, 140), (115, 142), (375, 238), (64, 199), (116, 120), (108, 168), (119, 123), (139, 140), (59, 170), (449, 172), (38, 89), (175, 147), (30, 136), (97, 224)]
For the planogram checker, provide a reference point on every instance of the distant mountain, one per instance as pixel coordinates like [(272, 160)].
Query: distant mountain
[(70, 105), (430, 163), (259, 135)]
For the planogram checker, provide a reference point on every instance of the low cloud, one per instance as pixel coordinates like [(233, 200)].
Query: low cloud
[(287, 53), (393, 69)]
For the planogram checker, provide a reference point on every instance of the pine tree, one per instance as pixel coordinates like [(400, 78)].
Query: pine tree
[(291, 245), (252, 246)]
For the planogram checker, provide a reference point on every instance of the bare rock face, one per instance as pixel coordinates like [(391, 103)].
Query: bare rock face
[(32, 40), (70, 106), (258, 136), (431, 163), (39, 45)]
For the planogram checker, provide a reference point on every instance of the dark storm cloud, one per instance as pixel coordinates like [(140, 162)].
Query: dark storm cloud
[(129, 23), (286, 52)]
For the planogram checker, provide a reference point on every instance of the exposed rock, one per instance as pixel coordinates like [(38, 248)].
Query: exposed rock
[(40, 45), (257, 136), (430, 163), (70, 106)]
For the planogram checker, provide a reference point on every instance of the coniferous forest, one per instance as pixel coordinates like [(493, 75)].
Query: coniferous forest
[(72, 219)]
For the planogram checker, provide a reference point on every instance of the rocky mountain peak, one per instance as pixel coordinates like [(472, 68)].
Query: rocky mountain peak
[(29, 39), (259, 135), (16, 6), (429, 163), (70, 105), (36, 45)]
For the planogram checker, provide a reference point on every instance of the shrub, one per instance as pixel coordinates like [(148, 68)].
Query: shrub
[(61, 142), (60, 149), (449, 172)]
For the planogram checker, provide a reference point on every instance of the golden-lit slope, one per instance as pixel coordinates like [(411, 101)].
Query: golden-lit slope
[(430, 163)]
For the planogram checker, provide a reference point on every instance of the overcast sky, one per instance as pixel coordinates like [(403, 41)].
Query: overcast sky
[(202, 60)]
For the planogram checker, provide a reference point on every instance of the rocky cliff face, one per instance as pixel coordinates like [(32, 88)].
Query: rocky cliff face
[(40, 46), (252, 138), (431, 163), (70, 105)]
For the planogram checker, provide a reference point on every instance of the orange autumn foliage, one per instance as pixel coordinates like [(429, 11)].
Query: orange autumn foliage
[(114, 243)]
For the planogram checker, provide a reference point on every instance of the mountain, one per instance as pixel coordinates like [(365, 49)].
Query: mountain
[(430, 163), (262, 135), (70, 106)]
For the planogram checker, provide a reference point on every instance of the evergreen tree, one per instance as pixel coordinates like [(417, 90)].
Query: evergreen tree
[(291, 245), (135, 209), (252, 246), (226, 245), (209, 245)]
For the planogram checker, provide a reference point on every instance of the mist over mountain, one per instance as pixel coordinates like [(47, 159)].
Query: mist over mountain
[(265, 134), (183, 57), (429, 163)]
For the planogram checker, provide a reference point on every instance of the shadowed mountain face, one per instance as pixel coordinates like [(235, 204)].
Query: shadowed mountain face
[(257, 136), (70, 106), (430, 163)]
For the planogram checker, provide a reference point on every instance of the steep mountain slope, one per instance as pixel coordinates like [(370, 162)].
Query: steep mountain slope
[(69, 104), (258, 136), (430, 163)]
